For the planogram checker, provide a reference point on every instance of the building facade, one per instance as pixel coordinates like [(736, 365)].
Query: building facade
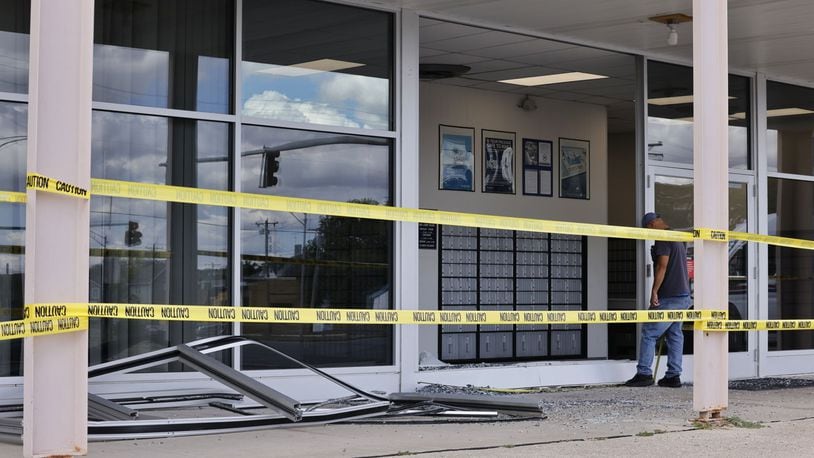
[(384, 105)]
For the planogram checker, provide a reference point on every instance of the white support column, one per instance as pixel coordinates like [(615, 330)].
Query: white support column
[(56, 240), (711, 158), (407, 185)]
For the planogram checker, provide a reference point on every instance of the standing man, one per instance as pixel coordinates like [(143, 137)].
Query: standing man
[(671, 291)]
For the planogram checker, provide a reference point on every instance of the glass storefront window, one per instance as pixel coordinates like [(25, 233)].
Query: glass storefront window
[(164, 53), (674, 202), (670, 116), (317, 261), (156, 252), (791, 290), (15, 22), (790, 122), (13, 144), (12, 264), (13, 125), (316, 62)]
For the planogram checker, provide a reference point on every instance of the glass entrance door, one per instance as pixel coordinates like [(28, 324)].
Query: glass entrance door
[(670, 194)]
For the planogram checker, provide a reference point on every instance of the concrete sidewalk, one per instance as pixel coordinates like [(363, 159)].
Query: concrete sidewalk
[(594, 421)]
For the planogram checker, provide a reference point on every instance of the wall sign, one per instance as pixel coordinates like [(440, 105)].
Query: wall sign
[(427, 236)]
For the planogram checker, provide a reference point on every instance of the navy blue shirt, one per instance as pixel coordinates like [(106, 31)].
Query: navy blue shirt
[(676, 281)]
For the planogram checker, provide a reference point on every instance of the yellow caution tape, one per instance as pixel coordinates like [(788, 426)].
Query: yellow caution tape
[(12, 197), (44, 326), (755, 325), (204, 313), (773, 240), (43, 183), (166, 193), (53, 318), (711, 234)]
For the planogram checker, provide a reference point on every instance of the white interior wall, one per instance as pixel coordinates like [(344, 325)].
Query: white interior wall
[(480, 109)]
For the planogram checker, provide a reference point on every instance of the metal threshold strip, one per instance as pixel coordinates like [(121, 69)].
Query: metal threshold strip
[(515, 407)]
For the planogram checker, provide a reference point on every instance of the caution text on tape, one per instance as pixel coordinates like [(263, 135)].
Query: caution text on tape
[(755, 325), (43, 326), (362, 316), (43, 183), (167, 193), (714, 235)]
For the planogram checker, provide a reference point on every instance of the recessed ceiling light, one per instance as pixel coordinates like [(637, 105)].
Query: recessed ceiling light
[(769, 114), (553, 79), (311, 67), (776, 112), (787, 112), (677, 100)]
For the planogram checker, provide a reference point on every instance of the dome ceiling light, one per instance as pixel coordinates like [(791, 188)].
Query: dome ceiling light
[(672, 21)]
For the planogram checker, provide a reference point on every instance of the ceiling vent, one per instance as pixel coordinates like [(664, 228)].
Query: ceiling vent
[(441, 71)]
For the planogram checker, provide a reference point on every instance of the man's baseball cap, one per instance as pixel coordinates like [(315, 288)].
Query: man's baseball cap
[(648, 217)]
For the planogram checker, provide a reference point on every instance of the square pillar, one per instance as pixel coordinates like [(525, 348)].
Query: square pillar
[(711, 203), (57, 226)]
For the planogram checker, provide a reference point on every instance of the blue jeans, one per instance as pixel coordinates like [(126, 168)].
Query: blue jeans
[(675, 338)]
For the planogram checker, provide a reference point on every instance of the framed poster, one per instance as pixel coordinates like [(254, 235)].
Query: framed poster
[(456, 158), (538, 167), (498, 161), (575, 168)]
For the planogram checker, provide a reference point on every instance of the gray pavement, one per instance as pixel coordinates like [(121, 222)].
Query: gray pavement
[(589, 421)]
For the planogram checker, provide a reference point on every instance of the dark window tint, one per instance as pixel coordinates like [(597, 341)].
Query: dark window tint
[(13, 144), (12, 263), (670, 116), (317, 62), (13, 123), (790, 269), (790, 121), (15, 21), (164, 53)]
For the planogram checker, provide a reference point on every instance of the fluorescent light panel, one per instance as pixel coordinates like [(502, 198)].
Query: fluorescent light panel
[(776, 113), (677, 100), (311, 67), (769, 114), (557, 78)]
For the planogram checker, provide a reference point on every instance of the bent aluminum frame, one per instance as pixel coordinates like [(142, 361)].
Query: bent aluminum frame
[(194, 355), (111, 419), (155, 428), (512, 406)]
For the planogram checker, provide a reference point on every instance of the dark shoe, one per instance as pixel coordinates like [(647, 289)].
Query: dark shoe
[(671, 382), (640, 380)]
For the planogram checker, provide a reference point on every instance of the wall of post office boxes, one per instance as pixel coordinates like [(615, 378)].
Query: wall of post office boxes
[(492, 269)]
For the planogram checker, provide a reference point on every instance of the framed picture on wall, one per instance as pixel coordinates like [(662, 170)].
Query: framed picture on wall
[(538, 167), (498, 161), (575, 168), (456, 157)]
